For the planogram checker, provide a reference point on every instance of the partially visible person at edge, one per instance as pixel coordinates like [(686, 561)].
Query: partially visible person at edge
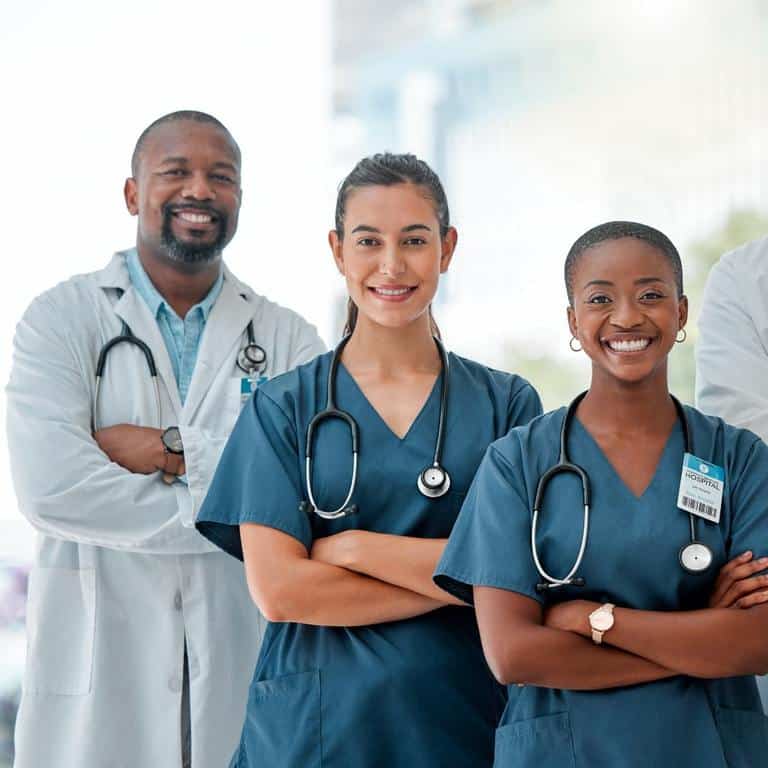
[(141, 634), (367, 664), (732, 347), (642, 660)]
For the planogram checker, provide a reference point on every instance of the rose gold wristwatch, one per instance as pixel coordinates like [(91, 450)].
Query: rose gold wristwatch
[(601, 620)]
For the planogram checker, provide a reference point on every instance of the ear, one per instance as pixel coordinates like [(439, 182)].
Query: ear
[(335, 242), (131, 195), (572, 324), (448, 246), (682, 311)]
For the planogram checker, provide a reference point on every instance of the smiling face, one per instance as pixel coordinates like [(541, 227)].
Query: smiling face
[(626, 311), (186, 193), (392, 253)]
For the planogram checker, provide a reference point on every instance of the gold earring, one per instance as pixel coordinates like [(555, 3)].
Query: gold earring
[(685, 336), (570, 344)]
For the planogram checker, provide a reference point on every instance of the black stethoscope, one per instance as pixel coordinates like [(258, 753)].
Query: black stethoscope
[(695, 557), (433, 481), (251, 359)]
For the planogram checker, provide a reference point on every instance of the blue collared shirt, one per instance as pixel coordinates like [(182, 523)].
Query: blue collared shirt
[(182, 337)]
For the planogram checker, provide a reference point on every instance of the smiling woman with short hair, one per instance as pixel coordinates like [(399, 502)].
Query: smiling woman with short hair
[(596, 585)]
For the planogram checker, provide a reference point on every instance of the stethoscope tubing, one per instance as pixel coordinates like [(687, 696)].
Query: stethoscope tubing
[(564, 465), (251, 366), (126, 337), (332, 411)]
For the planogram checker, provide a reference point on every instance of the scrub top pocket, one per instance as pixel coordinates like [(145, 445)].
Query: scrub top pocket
[(542, 742), (60, 631), (283, 723), (744, 734)]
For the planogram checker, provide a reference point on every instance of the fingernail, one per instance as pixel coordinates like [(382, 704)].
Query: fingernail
[(747, 554), (763, 560)]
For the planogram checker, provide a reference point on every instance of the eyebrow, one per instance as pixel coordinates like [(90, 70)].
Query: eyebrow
[(167, 160), (639, 281), (409, 228)]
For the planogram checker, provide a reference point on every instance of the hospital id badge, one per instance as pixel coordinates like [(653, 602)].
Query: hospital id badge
[(701, 488), (248, 386)]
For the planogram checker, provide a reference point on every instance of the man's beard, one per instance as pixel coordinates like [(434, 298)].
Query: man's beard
[(183, 252)]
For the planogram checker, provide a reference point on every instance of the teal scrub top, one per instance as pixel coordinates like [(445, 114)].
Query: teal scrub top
[(631, 560), (415, 692)]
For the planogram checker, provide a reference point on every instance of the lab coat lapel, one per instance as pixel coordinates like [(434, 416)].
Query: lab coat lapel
[(223, 336), (134, 311)]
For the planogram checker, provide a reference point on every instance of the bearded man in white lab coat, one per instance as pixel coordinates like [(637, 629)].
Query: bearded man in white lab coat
[(142, 636), (732, 350)]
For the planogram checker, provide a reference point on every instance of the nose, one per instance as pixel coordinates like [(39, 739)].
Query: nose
[(626, 314), (392, 262), (197, 187)]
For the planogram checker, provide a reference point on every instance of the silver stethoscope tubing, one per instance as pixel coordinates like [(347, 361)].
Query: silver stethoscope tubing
[(433, 482), (695, 557), (251, 359)]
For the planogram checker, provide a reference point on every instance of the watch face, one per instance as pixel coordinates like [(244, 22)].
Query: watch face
[(172, 440), (601, 620)]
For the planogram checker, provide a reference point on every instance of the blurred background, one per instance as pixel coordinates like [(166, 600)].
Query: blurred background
[(543, 118)]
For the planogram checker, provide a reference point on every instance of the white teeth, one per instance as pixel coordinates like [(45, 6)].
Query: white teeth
[(392, 291), (195, 218), (629, 346)]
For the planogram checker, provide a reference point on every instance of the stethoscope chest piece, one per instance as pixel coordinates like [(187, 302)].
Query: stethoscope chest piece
[(252, 359), (434, 482), (695, 557)]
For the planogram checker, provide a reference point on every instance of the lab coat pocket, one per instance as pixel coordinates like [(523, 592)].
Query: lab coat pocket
[(60, 631), (282, 722), (744, 735), (542, 742)]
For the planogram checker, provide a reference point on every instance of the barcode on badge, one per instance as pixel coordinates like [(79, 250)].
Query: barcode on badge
[(699, 506)]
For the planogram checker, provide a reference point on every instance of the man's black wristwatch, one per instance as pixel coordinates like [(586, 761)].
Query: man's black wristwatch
[(171, 438)]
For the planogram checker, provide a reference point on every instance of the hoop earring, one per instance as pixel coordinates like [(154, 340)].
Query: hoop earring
[(570, 344), (685, 336)]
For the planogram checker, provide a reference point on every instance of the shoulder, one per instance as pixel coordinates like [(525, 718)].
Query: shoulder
[(266, 311), (303, 385), (505, 386), (534, 443), (744, 264), (724, 444), (61, 305), (747, 257)]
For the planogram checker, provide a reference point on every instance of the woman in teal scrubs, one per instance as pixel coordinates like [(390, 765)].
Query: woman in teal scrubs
[(663, 678), (365, 662)]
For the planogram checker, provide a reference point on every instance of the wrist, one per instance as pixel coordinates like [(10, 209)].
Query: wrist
[(349, 555), (171, 440), (157, 449), (578, 616), (601, 620)]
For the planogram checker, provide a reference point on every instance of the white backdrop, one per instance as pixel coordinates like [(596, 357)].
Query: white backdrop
[(80, 81)]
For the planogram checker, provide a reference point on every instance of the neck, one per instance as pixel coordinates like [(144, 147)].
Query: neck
[(375, 347), (615, 406), (181, 288)]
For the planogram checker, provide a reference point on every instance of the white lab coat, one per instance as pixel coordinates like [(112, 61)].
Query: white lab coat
[(121, 575), (732, 350)]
